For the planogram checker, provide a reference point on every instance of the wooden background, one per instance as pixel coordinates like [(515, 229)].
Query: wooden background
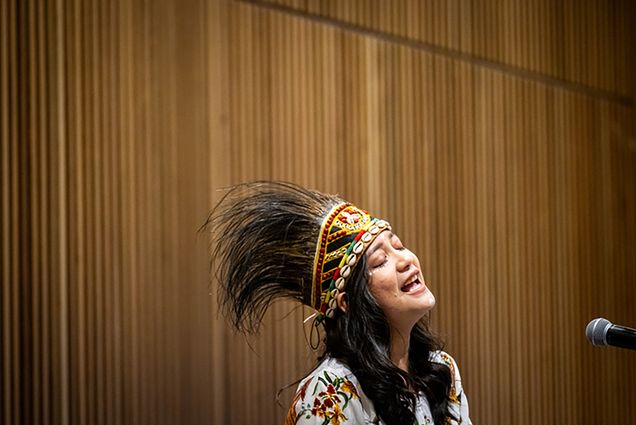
[(498, 137)]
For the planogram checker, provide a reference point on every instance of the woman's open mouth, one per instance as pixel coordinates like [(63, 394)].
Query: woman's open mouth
[(413, 286)]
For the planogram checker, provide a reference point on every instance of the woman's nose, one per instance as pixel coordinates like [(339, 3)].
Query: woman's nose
[(405, 260)]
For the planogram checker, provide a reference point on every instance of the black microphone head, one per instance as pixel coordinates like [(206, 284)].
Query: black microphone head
[(596, 331)]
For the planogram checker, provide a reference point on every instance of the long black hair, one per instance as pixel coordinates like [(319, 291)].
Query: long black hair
[(361, 338)]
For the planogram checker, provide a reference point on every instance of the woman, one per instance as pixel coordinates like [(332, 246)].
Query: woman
[(380, 363)]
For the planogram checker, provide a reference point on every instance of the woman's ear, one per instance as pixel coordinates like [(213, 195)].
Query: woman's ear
[(341, 300)]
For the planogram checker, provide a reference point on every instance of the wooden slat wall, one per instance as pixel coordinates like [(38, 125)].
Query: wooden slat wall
[(498, 138)]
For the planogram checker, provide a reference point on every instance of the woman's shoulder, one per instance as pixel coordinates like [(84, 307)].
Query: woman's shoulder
[(333, 377), (459, 403), (442, 357), (331, 391), (332, 368)]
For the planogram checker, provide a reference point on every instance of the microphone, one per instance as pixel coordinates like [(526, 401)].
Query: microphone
[(601, 333)]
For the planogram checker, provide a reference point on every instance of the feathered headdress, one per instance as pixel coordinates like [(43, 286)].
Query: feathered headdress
[(278, 240)]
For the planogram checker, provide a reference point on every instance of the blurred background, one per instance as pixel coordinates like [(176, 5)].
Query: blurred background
[(498, 137)]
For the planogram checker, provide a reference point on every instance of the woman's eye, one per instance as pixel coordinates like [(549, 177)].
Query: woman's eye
[(379, 262)]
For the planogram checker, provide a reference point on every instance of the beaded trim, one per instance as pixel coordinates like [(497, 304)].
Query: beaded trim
[(345, 234)]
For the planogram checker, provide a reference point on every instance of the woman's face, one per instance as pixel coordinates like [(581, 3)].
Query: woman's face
[(396, 281)]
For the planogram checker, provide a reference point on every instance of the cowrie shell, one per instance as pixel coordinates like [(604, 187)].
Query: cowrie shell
[(332, 303), (345, 271), (357, 248), (366, 238), (374, 229), (340, 283), (352, 259), (329, 313)]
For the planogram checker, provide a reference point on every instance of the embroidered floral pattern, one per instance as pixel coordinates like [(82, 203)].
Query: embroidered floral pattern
[(327, 397), (329, 400)]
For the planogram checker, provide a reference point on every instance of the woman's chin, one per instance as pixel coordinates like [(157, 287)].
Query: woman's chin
[(425, 303), (427, 300), (432, 300)]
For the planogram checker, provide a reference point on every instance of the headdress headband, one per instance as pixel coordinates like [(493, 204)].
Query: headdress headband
[(345, 234)]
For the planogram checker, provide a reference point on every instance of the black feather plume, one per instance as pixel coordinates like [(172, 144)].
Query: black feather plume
[(264, 238)]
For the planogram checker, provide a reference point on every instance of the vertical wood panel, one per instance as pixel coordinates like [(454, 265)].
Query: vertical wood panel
[(538, 36)]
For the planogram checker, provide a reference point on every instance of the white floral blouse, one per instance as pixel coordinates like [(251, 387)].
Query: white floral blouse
[(332, 395)]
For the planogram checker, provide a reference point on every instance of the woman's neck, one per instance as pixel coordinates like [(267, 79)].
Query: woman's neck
[(400, 349)]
